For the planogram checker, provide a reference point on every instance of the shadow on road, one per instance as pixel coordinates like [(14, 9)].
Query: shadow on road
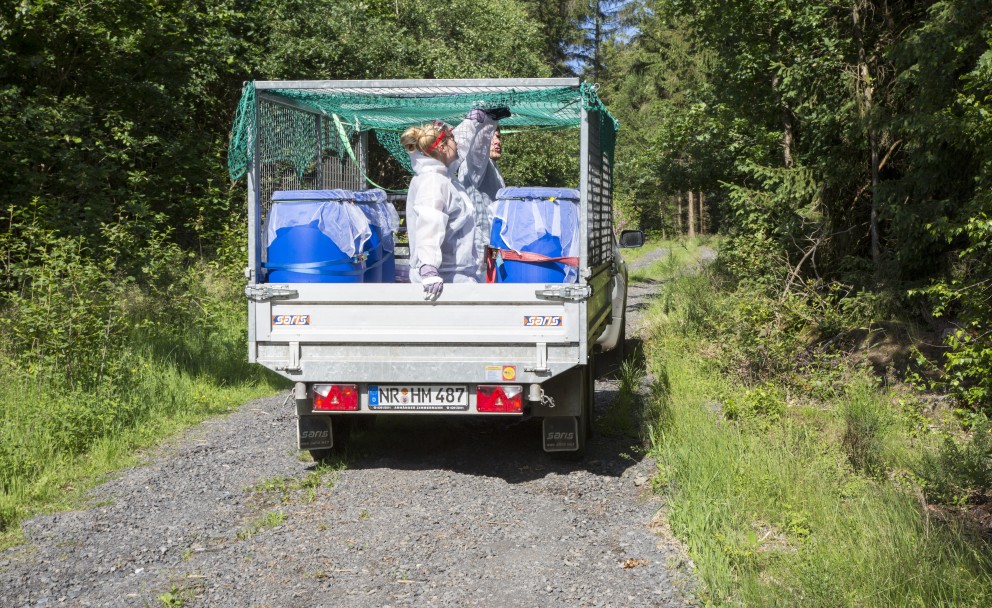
[(507, 449)]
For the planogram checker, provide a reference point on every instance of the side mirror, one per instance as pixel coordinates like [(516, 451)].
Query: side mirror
[(629, 239)]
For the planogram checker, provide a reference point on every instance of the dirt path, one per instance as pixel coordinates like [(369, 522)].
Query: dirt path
[(426, 512)]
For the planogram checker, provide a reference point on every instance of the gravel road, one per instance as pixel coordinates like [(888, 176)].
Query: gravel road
[(424, 512)]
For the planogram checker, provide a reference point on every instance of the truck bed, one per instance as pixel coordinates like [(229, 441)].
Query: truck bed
[(389, 333)]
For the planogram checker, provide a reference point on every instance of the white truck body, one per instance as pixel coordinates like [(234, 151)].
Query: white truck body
[(539, 336)]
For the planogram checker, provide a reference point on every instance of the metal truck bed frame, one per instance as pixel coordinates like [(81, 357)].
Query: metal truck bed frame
[(387, 332)]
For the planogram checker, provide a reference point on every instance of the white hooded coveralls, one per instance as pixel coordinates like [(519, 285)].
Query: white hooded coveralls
[(480, 177), (441, 215)]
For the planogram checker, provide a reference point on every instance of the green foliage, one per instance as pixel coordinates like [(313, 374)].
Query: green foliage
[(763, 405), (964, 295), (674, 138), (117, 109), (811, 134), (261, 523), (385, 39), (107, 355), (65, 320), (968, 368), (784, 203), (960, 472), (793, 503), (753, 259), (865, 425), (624, 415), (549, 158), (174, 598), (559, 29)]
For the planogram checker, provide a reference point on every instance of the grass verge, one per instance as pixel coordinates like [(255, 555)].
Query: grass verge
[(57, 443), (786, 499)]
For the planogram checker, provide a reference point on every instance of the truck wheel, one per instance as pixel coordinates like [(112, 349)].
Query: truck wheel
[(621, 349), (341, 427), (589, 405), (610, 362)]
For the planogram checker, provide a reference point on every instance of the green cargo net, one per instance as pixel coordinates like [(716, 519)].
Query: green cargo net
[(347, 113)]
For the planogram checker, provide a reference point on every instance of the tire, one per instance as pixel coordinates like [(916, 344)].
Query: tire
[(341, 427), (621, 348), (589, 401), (611, 361)]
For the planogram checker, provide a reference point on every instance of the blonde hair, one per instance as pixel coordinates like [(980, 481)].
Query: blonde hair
[(419, 139)]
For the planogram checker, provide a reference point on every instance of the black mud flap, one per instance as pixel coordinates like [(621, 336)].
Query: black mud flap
[(314, 433), (561, 434)]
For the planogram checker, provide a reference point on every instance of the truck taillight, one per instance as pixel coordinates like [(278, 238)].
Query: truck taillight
[(501, 398), (335, 397)]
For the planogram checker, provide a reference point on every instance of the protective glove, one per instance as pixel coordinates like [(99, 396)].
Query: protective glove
[(498, 113), (433, 284), (477, 115)]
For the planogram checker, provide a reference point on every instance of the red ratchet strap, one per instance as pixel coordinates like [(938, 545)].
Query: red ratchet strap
[(509, 255)]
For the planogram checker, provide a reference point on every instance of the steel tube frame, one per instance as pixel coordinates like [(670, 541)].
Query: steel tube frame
[(435, 84)]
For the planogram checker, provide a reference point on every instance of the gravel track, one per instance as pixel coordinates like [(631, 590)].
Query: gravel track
[(425, 512)]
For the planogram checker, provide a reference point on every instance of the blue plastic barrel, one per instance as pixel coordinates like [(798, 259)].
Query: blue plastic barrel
[(511, 271), (302, 252), (376, 270)]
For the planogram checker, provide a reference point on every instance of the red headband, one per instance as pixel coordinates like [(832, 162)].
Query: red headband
[(437, 142)]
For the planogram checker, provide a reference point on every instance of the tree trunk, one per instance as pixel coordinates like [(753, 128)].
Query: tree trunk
[(678, 213), (865, 92), (788, 136), (788, 128), (692, 214), (703, 219)]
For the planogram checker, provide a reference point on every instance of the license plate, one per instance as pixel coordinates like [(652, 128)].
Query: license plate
[(444, 398)]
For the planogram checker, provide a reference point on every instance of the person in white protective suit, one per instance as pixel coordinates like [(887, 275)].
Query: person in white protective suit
[(478, 173), (441, 216)]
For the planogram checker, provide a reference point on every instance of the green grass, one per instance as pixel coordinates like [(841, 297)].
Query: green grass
[(304, 489), (679, 255), (622, 417), (56, 442), (784, 500), (263, 522)]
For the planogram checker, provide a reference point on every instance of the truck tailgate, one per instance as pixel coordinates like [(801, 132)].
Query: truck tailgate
[(390, 333)]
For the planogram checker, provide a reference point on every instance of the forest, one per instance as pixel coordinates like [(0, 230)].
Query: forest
[(843, 147), (840, 152)]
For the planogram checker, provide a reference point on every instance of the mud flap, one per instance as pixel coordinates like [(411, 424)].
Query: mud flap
[(561, 434), (314, 432)]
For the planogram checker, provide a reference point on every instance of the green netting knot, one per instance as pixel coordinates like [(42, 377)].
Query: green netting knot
[(242, 134)]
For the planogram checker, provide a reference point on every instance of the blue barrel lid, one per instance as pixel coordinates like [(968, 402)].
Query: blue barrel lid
[(537, 192), (312, 195)]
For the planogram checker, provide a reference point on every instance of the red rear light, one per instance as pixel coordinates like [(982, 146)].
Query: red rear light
[(502, 398), (335, 397)]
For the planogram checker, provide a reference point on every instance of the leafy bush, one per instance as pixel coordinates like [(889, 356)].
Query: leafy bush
[(104, 351), (753, 258), (761, 404), (969, 367), (64, 317), (960, 471)]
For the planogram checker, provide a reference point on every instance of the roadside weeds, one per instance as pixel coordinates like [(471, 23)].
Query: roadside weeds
[(790, 499)]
